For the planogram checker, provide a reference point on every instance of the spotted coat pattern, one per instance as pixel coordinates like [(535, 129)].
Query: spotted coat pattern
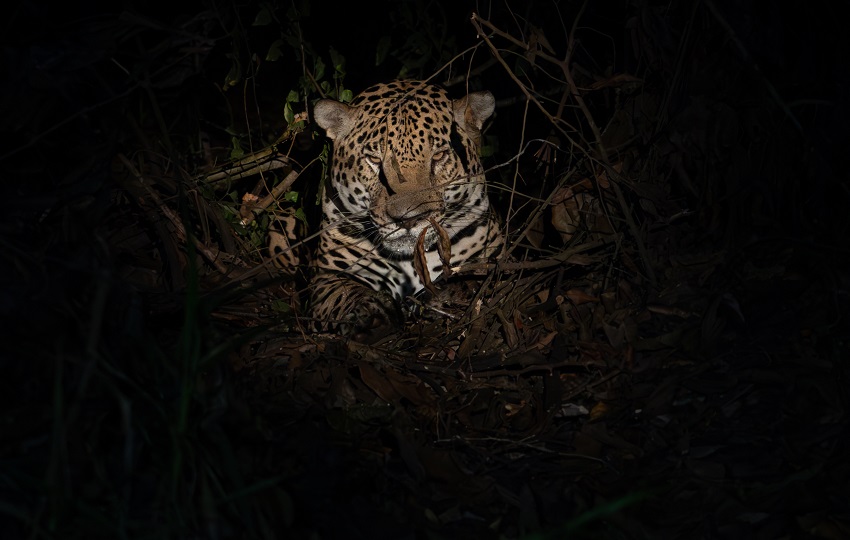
[(404, 154)]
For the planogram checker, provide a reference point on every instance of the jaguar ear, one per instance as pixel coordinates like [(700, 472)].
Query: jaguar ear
[(334, 117), (472, 111)]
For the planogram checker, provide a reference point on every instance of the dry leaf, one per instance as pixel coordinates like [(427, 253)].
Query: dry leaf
[(444, 247), (420, 263), (579, 297), (598, 411)]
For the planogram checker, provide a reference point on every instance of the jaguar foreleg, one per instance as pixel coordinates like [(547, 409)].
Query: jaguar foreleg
[(342, 305)]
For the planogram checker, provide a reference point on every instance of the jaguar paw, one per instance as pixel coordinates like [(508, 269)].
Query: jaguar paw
[(373, 318)]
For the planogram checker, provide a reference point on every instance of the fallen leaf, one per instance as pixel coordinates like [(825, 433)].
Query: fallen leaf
[(420, 264), (598, 411), (444, 247), (579, 297)]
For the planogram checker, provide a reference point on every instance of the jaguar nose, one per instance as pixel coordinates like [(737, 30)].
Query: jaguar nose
[(409, 210)]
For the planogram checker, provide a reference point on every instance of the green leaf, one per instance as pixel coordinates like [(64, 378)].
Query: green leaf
[(280, 306), (319, 68), (264, 16), (486, 151), (302, 10), (299, 214), (292, 96), (383, 50), (489, 146), (236, 152), (306, 85), (346, 96), (338, 62), (274, 51), (238, 227), (257, 238), (291, 196), (288, 114), (292, 41), (234, 75)]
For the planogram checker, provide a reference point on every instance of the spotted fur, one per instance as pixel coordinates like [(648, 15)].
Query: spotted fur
[(403, 153)]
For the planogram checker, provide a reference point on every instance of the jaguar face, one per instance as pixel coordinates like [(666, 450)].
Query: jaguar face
[(405, 155)]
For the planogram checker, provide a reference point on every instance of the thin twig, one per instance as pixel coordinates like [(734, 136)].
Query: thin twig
[(568, 256), (275, 194), (249, 166), (478, 22), (745, 54)]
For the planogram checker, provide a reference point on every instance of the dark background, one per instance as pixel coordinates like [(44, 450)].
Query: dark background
[(122, 418)]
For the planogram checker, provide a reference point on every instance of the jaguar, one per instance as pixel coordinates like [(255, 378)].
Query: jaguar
[(406, 180)]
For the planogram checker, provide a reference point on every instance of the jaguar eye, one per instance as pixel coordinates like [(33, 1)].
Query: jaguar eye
[(374, 159), (438, 155)]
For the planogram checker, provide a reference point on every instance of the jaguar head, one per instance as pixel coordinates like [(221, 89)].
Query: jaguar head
[(405, 154)]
